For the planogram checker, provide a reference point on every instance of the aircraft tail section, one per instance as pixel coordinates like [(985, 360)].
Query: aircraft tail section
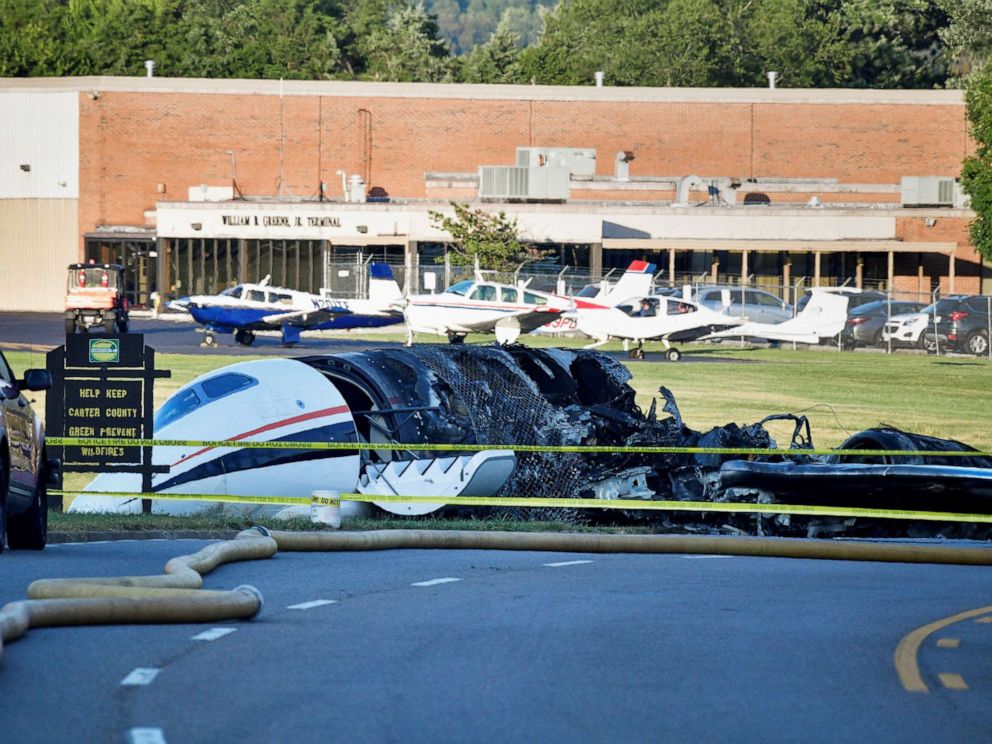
[(383, 289), (823, 317), (636, 280)]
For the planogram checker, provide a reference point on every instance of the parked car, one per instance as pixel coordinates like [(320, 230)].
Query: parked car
[(24, 466), (908, 330), (963, 326), (855, 298), (865, 322), (753, 304)]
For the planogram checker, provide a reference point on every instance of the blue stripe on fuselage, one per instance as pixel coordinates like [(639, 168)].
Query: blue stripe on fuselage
[(247, 458)]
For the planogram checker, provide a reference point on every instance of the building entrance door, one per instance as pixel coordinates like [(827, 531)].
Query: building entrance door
[(138, 257)]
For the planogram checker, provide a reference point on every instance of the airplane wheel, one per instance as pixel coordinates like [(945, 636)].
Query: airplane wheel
[(455, 338), (636, 353), (245, 338), (70, 326), (673, 355), (209, 340)]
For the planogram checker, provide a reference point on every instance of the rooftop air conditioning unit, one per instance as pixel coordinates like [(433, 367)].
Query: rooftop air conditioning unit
[(929, 191), (523, 184), (580, 161)]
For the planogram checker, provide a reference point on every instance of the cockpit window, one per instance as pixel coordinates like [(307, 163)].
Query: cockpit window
[(176, 407), (255, 295), (234, 292), (484, 292), (221, 385), (532, 299), (193, 397), (460, 288)]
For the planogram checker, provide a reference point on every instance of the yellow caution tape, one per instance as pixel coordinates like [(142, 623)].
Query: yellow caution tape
[(425, 446), (628, 504)]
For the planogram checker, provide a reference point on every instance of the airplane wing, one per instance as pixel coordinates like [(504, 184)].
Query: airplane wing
[(307, 318)]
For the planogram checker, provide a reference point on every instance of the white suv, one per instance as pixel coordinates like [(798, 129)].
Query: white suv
[(908, 329)]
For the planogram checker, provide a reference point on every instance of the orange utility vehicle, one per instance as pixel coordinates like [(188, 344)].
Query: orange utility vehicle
[(95, 297)]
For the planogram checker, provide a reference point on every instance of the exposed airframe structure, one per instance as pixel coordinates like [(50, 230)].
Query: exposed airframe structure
[(514, 395)]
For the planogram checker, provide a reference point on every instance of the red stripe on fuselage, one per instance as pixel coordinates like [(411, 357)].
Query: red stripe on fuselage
[(269, 427)]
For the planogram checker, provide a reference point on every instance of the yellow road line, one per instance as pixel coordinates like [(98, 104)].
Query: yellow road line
[(906, 652), (948, 642), (953, 681), (987, 619)]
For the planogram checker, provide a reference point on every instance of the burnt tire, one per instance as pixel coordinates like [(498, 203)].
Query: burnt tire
[(108, 325), (70, 326), (977, 343), (29, 531)]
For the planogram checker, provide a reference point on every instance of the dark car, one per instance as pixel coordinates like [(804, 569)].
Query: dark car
[(855, 297), (23, 461), (962, 326), (865, 322)]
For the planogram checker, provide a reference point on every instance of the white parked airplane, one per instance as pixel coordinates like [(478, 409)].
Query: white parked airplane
[(673, 319), (247, 308), (651, 318), (636, 280), (823, 317), (480, 306)]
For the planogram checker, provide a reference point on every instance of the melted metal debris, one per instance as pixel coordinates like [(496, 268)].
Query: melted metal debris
[(505, 395)]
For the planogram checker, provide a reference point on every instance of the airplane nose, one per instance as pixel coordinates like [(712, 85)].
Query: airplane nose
[(182, 303)]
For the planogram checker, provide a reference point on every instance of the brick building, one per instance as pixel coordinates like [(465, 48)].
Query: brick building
[(194, 184)]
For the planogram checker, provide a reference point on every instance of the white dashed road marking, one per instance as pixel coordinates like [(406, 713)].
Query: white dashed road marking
[(566, 563), (140, 676), (145, 736), (213, 634), (311, 605), (435, 582)]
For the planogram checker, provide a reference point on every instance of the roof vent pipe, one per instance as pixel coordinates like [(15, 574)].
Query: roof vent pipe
[(772, 77), (599, 78), (149, 68)]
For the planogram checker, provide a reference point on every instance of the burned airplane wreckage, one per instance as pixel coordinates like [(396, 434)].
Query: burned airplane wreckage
[(509, 396)]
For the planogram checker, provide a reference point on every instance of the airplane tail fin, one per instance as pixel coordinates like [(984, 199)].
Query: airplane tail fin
[(823, 317), (636, 280), (383, 289)]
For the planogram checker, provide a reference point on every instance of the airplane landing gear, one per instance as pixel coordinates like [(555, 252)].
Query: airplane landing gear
[(637, 352), (245, 337), (209, 340), (673, 355), (456, 338)]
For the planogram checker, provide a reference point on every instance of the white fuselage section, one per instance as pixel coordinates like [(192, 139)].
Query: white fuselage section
[(482, 307)]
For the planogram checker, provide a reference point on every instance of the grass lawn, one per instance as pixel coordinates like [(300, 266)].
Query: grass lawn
[(840, 392)]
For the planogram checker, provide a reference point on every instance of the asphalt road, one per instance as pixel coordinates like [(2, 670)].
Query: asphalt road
[(511, 647), (179, 335), (24, 331)]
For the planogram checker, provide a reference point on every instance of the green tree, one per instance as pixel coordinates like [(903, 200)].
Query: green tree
[(409, 48), (275, 39), (968, 35), (32, 38), (976, 171), (496, 61), (493, 239)]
